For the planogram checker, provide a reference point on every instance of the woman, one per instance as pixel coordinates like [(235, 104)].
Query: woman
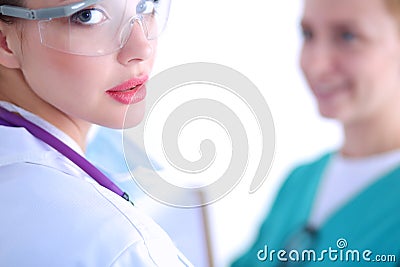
[(343, 208), (65, 65)]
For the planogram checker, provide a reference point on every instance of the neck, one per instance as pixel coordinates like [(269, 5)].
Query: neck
[(19, 94), (372, 136)]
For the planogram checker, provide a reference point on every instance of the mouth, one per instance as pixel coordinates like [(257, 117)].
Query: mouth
[(130, 85), (129, 92), (329, 90)]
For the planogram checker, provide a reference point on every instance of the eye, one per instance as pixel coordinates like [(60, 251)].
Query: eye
[(146, 7), (307, 34), (347, 36), (91, 16)]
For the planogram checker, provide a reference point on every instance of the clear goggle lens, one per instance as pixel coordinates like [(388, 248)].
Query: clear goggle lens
[(105, 26)]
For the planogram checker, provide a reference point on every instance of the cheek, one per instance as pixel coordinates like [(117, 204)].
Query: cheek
[(47, 70), (304, 62), (52, 76), (376, 79), (381, 72), (303, 58)]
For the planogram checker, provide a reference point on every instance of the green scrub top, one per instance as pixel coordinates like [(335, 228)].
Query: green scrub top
[(363, 232)]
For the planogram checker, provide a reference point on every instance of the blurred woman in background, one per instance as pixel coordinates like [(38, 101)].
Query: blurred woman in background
[(342, 209)]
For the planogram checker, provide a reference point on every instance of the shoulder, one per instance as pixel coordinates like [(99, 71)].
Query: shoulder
[(302, 181), (307, 171), (57, 216)]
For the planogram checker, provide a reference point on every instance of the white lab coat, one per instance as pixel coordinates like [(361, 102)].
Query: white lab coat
[(53, 214)]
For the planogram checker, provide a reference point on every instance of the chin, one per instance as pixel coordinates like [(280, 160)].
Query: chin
[(328, 115), (124, 119), (332, 113), (134, 115), (131, 123), (344, 117)]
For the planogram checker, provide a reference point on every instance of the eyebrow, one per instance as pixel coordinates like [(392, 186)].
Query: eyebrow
[(304, 22)]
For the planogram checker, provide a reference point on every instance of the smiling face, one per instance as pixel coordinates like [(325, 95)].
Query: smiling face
[(351, 58), (93, 89)]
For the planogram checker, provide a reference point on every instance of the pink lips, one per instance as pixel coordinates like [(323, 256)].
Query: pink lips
[(129, 92)]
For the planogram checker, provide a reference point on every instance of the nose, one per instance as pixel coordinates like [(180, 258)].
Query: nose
[(318, 59), (137, 48)]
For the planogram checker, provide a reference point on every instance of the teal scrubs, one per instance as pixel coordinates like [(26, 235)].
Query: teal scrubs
[(363, 232)]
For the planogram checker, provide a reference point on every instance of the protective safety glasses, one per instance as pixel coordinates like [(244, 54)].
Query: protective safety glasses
[(94, 27)]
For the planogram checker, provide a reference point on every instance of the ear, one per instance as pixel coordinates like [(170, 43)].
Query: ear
[(8, 58)]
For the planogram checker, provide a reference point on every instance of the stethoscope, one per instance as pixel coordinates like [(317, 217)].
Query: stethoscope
[(11, 119)]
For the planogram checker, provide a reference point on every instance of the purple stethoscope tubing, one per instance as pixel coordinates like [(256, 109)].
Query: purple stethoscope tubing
[(11, 119)]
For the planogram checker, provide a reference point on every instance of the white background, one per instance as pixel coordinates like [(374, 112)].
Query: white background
[(260, 39)]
